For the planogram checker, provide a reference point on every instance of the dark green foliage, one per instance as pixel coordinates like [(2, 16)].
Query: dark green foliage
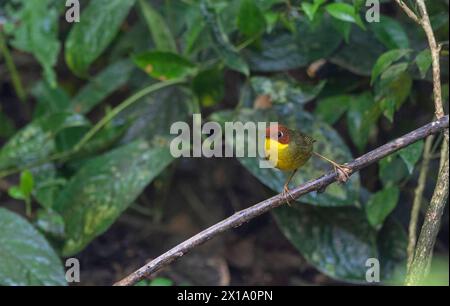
[(92, 141)]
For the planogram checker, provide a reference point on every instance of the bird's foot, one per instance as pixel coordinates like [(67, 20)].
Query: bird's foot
[(287, 194), (343, 172)]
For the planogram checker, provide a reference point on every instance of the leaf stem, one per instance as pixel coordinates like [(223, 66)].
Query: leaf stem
[(15, 77), (122, 106)]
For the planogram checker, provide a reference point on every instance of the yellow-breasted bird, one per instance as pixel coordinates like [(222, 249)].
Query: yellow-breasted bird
[(288, 150)]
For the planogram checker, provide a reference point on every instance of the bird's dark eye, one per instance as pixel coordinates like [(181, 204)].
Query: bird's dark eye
[(280, 134)]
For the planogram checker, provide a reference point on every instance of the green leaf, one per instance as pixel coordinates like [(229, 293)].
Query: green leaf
[(208, 85), (386, 60), (104, 187), (101, 86), (392, 242), (29, 144), (344, 28), (158, 28), (393, 89), (50, 222), (392, 170), (359, 54), (390, 33), (26, 258), (161, 281), (16, 193), (361, 117), (37, 33), (423, 62), (283, 90), (221, 43), (88, 39), (281, 50), (250, 20), (381, 204), (26, 183), (6, 126), (152, 117), (311, 9), (337, 241), (36, 141), (50, 99), (344, 12), (164, 65), (330, 109), (411, 155)]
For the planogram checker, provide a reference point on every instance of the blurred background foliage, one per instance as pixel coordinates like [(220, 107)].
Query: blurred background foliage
[(86, 110)]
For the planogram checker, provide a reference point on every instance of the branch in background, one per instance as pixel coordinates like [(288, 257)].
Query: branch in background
[(248, 214), (430, 229), (408, 11), (424, 251), (418, 194)]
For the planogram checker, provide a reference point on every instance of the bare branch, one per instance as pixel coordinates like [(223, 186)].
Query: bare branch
[(408, 11), (247, 214), (427, 238), (418, 194)]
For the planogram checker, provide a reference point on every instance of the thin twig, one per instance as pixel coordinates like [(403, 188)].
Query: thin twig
[(418, 194), (424, 250), (248, 214)]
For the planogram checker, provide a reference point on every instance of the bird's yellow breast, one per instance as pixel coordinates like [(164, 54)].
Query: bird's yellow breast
[(281, 156)]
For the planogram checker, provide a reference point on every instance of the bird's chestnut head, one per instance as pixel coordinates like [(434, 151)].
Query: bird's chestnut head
[(279, 133)]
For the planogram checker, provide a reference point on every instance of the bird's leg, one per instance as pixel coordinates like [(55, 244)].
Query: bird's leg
[(286, 193), (342, 170)]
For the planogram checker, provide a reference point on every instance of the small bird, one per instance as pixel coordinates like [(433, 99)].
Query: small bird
[(288, 150)]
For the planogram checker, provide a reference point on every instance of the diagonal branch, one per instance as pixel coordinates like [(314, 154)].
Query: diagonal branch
[(247, 214)]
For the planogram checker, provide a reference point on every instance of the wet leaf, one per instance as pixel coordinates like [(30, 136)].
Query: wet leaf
[(104, 187), (88, 39), (26, 258)]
